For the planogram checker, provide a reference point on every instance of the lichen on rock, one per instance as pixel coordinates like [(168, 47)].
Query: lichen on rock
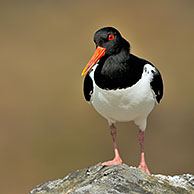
[(117, 179)]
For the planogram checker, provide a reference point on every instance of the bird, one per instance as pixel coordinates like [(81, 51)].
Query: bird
[(121, 87)]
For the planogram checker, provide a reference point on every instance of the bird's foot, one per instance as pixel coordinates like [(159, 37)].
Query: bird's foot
[(144, 168), (115, 161), (143, 165)]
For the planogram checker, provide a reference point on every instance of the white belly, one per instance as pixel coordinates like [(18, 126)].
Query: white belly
[(123, 105)]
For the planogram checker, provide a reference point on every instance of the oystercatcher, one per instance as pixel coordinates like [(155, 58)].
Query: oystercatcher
[(121, 86)]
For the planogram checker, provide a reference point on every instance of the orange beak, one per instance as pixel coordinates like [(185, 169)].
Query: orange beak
[(99, 52)]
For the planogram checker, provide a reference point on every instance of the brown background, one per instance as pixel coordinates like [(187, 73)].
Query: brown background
[(47, 129)]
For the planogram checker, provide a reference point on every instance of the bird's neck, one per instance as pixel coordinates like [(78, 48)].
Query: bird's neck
[(111, 70), (113, 63)]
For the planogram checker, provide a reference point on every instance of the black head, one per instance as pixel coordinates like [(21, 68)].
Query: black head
[(111, 39), (108, 42)]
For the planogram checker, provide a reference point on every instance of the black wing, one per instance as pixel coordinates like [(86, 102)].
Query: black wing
[(157, 85), (88, 87)]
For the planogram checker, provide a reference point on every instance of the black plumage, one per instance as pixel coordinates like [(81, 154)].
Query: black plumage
[(118, 68)]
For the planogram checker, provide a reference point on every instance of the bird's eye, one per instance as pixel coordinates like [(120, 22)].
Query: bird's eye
[(111, 37)]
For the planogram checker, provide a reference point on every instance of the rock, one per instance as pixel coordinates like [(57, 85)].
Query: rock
[(117, 179)]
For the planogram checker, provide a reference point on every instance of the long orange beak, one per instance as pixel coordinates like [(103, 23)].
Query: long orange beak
[(99, 52)]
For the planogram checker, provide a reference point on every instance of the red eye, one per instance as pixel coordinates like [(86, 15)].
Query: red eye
[(111, 37)]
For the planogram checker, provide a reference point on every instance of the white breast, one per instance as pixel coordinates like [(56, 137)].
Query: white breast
[(123, 105)]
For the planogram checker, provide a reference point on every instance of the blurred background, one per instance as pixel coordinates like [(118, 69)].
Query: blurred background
[(47, 130)]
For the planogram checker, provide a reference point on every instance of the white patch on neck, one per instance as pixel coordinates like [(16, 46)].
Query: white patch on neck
[(148, 71)]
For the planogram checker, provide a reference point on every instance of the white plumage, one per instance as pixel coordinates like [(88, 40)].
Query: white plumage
[(130, 104)]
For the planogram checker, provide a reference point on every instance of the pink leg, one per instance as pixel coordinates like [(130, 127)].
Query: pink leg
[(117, 159), (142, 165)]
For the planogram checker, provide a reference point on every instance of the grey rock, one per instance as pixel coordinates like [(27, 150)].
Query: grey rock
[(117, 179)]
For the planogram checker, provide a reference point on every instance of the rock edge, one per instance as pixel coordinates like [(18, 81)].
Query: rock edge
[(117, 179)]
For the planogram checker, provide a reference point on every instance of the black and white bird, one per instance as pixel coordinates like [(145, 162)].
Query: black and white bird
[(121, 86)]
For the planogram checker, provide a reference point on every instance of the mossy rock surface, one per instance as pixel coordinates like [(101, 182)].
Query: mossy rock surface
[(117, 179)]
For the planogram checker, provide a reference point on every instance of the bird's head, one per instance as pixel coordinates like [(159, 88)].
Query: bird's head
[(108, 42)]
